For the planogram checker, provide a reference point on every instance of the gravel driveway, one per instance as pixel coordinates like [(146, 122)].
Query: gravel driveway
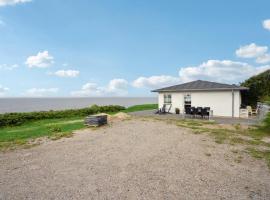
[(132, 159)]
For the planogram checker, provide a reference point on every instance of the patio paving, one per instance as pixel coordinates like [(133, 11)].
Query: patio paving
[(220, 120)]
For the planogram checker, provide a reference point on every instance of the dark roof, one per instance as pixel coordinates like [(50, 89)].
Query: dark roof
[(200, 86)]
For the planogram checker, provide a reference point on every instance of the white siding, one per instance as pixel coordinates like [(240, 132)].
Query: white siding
[(219, 101)]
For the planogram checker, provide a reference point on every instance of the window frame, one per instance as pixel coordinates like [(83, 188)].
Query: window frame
[(187, 99), (167, 98)]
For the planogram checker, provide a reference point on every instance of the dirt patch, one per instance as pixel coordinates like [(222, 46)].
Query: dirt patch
[(133, 159), (121, 116), (266, 139)]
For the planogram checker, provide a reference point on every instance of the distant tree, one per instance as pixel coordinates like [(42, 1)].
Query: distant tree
[(259, 88)]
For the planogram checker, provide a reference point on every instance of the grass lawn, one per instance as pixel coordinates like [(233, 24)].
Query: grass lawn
[(15, 136), (141, 108), (12, 137)]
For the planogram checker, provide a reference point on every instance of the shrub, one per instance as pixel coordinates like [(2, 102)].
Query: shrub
[(266, 124), (15, 119), (55, 129)]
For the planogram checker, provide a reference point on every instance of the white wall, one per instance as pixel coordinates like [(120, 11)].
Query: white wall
[(219, 101), (177, 101)]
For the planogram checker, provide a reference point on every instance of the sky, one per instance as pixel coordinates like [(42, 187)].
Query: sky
[(81, 48)]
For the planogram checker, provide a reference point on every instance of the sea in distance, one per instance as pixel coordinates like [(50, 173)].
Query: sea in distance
[(8, 105)]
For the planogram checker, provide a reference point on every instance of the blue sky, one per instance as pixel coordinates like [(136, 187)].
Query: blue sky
[(127, 48)]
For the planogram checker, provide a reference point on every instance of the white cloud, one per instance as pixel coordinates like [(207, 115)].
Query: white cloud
[(41, 60), (41, 92), (212, 70), (155, 81), (12, 2), (263, 59), (116, 87), (8, 67), (266, 24), (3, 90), (67, 73), (220, 71), (251, 51), (254, 51), (260, 69)]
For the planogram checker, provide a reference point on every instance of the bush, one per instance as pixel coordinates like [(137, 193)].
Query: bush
[(55, 129), (15, 119), (266, 124), (259, 88)]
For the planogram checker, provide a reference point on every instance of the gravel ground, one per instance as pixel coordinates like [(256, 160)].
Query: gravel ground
[(132, 159), (219, 120)]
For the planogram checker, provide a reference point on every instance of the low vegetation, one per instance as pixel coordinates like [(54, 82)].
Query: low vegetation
[(259, 89), (22, 136), (15, 119), (252, 138), (141, 108)]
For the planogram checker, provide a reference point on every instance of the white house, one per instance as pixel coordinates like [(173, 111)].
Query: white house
[(223, 99)]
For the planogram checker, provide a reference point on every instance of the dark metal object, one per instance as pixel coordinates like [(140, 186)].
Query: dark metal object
[(96, 120), (163, 110), (197, 112)]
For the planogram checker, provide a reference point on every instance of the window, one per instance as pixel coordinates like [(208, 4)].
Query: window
[(167, 98), (187, 100)]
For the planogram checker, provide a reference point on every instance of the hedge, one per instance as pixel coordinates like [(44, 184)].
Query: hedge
[(15, 119)]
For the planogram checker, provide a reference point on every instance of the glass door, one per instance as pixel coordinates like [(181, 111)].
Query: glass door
[(187, 101)]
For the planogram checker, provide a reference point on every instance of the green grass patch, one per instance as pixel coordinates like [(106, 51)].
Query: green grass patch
[(255, 153), (237, 140), (11, 137), (238, 159), (259, 154), (141, 108), (260, 131)]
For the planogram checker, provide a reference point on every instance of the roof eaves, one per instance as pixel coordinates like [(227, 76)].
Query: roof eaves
[(207, 89)]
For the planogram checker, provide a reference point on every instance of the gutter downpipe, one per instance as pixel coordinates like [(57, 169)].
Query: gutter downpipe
[(232, 103)]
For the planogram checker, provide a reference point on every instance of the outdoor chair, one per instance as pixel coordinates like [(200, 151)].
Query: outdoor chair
[(195, 112), (206, 112), (252, 111), (199, 111), (249, 108), (187, 111), (163, 109), (169, 108), (192, 111)]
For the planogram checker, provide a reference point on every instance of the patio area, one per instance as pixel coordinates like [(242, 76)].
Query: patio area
[(221, 120)]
